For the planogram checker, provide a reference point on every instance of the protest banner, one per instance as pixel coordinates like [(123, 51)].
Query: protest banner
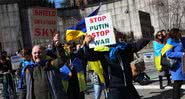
[(43, 24), (15, 61), (101, 29)]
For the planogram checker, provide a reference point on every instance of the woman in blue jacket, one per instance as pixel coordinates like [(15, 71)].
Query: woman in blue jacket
[(175, 51)]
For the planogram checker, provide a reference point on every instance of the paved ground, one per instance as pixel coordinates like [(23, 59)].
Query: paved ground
[(150, 91)]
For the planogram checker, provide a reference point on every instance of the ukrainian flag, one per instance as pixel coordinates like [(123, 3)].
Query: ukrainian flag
[(167, 46), (75, 32), (160, 50), (157, 53)]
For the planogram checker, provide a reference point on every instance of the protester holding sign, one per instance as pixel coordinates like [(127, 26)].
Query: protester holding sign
[(120, 76), (101, 29)]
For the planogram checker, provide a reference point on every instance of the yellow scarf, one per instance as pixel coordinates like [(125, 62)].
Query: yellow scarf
[(97, 68)]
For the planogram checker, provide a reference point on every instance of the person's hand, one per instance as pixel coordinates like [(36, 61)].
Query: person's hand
[(56, 39), (88, 39), (70, 74), (78, 46), (71, 66)]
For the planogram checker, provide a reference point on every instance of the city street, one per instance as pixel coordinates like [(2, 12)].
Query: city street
[(39, 39), (149, 91)]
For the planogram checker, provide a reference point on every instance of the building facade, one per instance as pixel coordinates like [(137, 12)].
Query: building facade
[(135, 15), (128, 16), (10, 28), (14, 26)]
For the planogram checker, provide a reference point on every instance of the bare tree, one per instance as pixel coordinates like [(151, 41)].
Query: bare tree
[(170, 12)]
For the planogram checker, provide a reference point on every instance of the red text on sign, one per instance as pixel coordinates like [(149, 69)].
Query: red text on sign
[(44, 32), (97, 19), (44, 12), (100, 33)]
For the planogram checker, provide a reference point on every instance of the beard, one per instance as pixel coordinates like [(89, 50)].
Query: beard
[(37, 60)]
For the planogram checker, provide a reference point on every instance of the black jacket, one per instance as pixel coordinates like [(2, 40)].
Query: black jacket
[(113, 70), (116, 73)]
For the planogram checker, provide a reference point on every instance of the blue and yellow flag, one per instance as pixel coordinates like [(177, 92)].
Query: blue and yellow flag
[(75, 32), (160, 50), (167, 46), (157, 53)]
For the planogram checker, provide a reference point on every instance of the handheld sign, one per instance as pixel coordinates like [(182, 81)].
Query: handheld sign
[(101, 29), (64, 70), (42, 24), (15, 61), (148, 57)]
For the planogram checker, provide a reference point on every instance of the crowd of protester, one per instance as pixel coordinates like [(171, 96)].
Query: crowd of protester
[(169, 45), (58, 71)]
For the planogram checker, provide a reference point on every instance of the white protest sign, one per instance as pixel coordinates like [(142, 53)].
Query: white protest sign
[(43, 24), (15, 61), (148, 57), (101, 29)]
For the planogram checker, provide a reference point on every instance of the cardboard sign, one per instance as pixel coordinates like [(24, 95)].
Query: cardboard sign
[(101, 29), (43, 24), (15, 61), (148, 57)]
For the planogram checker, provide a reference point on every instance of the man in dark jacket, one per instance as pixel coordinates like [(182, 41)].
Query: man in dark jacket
[(42, 80), (120, 75)]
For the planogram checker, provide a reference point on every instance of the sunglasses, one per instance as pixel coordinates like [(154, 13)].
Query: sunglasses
[(159, 35)]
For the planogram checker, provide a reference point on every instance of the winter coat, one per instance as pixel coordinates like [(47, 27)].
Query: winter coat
[(113, 72), (177, 53), (42, 81), (116, 73)]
